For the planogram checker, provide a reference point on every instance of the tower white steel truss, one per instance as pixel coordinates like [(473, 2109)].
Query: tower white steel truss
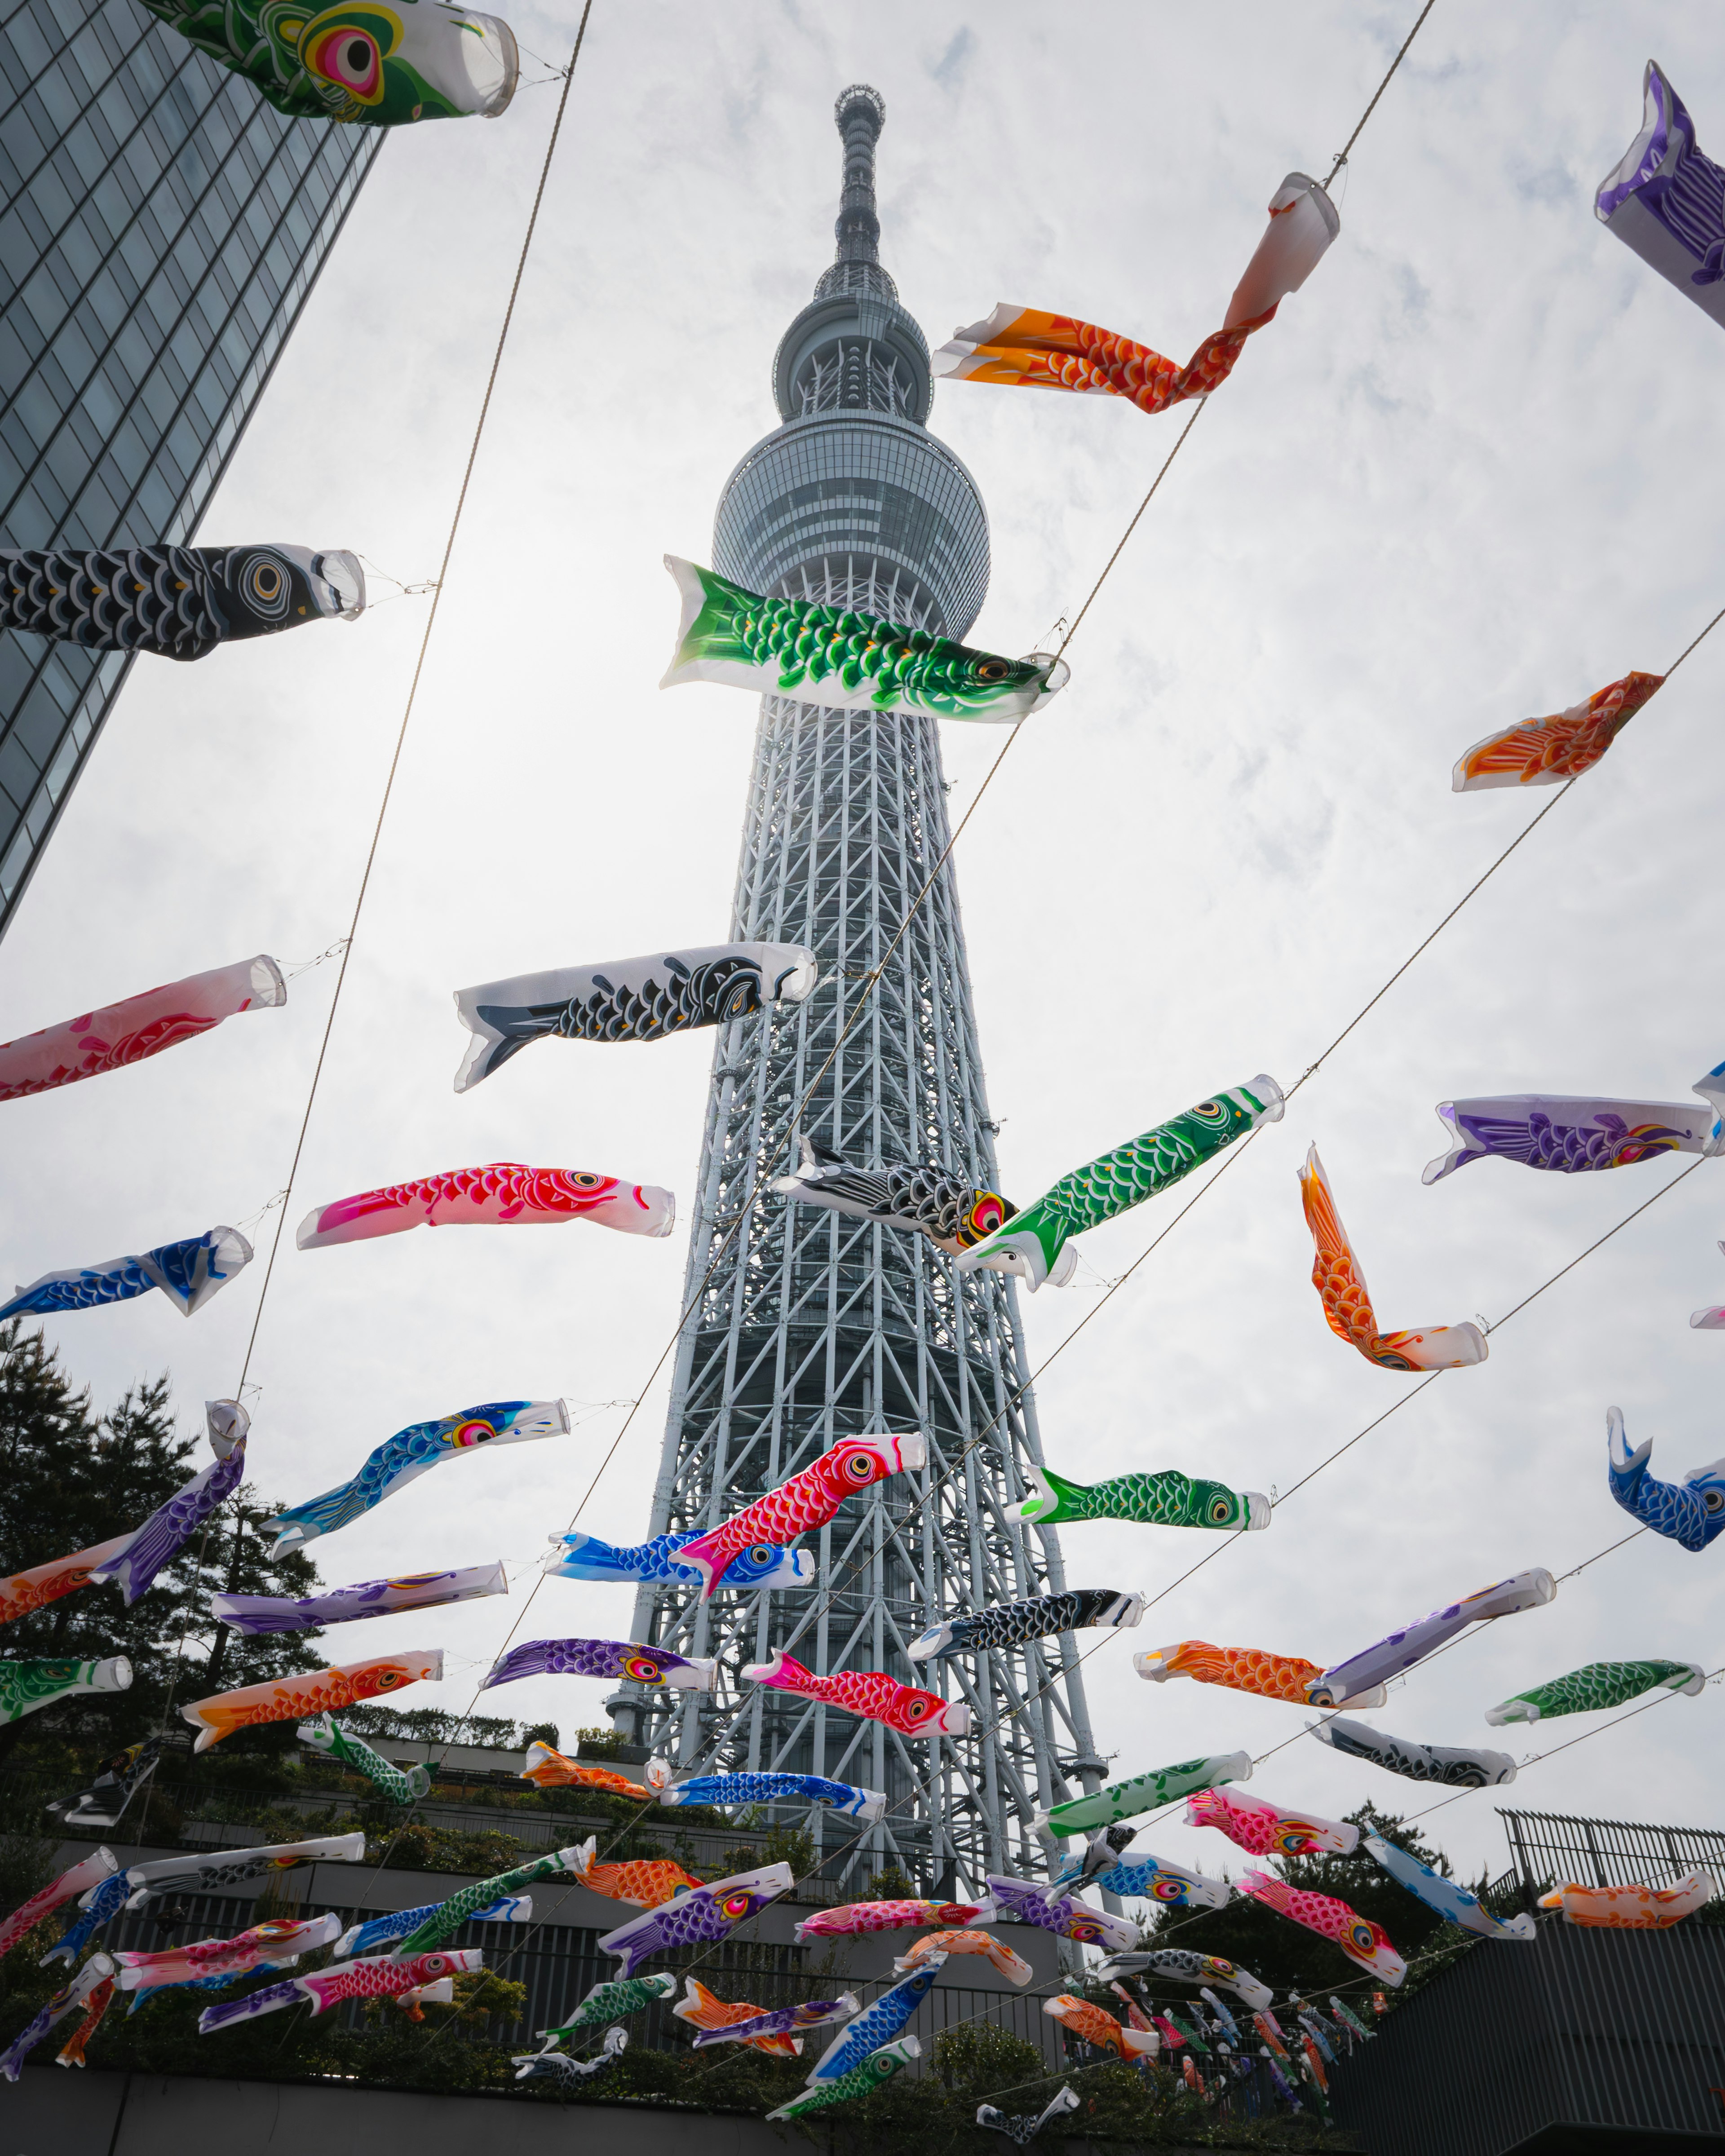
[(807, 1325)]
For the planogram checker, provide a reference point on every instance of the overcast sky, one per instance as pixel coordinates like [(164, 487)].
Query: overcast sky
[(1460, 481)]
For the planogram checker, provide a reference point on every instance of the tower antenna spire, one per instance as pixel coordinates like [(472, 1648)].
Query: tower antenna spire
[(858, 113)]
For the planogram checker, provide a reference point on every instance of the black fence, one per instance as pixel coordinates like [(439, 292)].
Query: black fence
[(1550, 1848)]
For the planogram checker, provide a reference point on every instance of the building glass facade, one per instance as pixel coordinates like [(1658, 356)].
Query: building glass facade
[(164, 228)]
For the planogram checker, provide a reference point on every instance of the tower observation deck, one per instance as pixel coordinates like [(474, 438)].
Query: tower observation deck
[(806, 1326)]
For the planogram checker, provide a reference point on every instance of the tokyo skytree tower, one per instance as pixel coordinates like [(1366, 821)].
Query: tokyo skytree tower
[(810, 1326)]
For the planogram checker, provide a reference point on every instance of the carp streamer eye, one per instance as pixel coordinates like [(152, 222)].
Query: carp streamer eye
[(642, 1668), (860, 1467), (993, 670), (1713, 1500), (350, 57), (1361, 1935), (471, 1433), (266, 587), (761, 1553), (1221, 1510), (734, 1905), (581, 1179), (916, 1710), (1210, 1111)]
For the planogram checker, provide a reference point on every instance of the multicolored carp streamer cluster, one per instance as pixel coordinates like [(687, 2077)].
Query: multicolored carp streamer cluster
[(711, 1914), (1667, 199), (384, 1976), (189, 1274), (80, 1992), (97, 1908), (1551, 751), (844, 660), (776, 2030), (277, 1940), (409, 1454), (645, 1883), (559, 2066), (1633, 1907), (84, 1877), (218, 1870), (26, 1688), (757, 1789), (1473, 1767), (1023, 348), (1262, 1829), (96, 2003), (506, 1193), (862, 2080), (603, 1658), (995, 1952), (252, 1613), (366, 65), (578, 1555), (1575, 1134), (1032, 1242), (1018, 1901), (546, 1768), (140, 1027), (1011, 1624), (1597, 1684), (606, 2002), (1358, 1938), (1373, 1666), (320, 1691), (646, 998), (1453, 1904), (870, 1693), (134, 1566), (878, 2023), (325, 1735), (1094, 2024), (1148, 1792), (1348, 1304), (857, 1919), (1691, 1512), (360, 1939), (462, 1907), (1244, 1669), (1023, 2130), (806, 1502), (1168, 1499), (953, 1214), (1155, 1879)]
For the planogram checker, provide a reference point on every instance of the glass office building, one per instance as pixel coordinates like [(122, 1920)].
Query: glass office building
[(164, 228)]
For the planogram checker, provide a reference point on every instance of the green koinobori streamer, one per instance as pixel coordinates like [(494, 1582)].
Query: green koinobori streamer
[(847, 661), (1032, 1243), (1596, 1685), (327, 1735), (25, 1688), (1168, 1499)]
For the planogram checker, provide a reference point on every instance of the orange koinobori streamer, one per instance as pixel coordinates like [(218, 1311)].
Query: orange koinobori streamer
[(1547, 752), (1347, 1305), (1025, 348)]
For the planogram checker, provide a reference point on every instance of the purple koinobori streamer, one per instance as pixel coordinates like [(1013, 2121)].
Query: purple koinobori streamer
[(1667, 199), (787, 2020), (603, 1658), (370, 1598), (1576, 1134), (172, 1526)]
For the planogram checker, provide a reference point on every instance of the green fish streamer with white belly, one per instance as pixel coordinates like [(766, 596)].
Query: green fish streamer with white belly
[(835, 657), (1596, 1685), (1031, 1244), (1169, 1499)]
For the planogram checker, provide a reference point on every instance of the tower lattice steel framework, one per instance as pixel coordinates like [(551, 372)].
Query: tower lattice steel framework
[(806, 1325)]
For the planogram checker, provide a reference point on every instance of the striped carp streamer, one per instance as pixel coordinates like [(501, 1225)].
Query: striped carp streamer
[(363, 65), (1022, 347), (843, 659), (700, 1918), (1032, 1246), (862, 2080), (505, 1194), (1453, 1904), (1471, 1768), (1262, 1829), (1167, 1499), (1664, 198), (1575, 1134), (1148, 1792), (190, 1274), (546, 1768), (806, 1502), (319, 1691), (954, 1214), (1348, 1306), (1244, 1669), (1358, 1938), (141, 1026), (1597, 1684), (176, 602), (646, 998), (1633, 1907), (1011, 1624), (1094, 2024), (1376, 1665), (1547, 751), (405, 1457), (1690, 1513)]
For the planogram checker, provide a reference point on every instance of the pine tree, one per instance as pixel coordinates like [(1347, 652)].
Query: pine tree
[(68, 1480)]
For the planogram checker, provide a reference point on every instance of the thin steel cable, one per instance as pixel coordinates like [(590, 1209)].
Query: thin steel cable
[(1341, 154)]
